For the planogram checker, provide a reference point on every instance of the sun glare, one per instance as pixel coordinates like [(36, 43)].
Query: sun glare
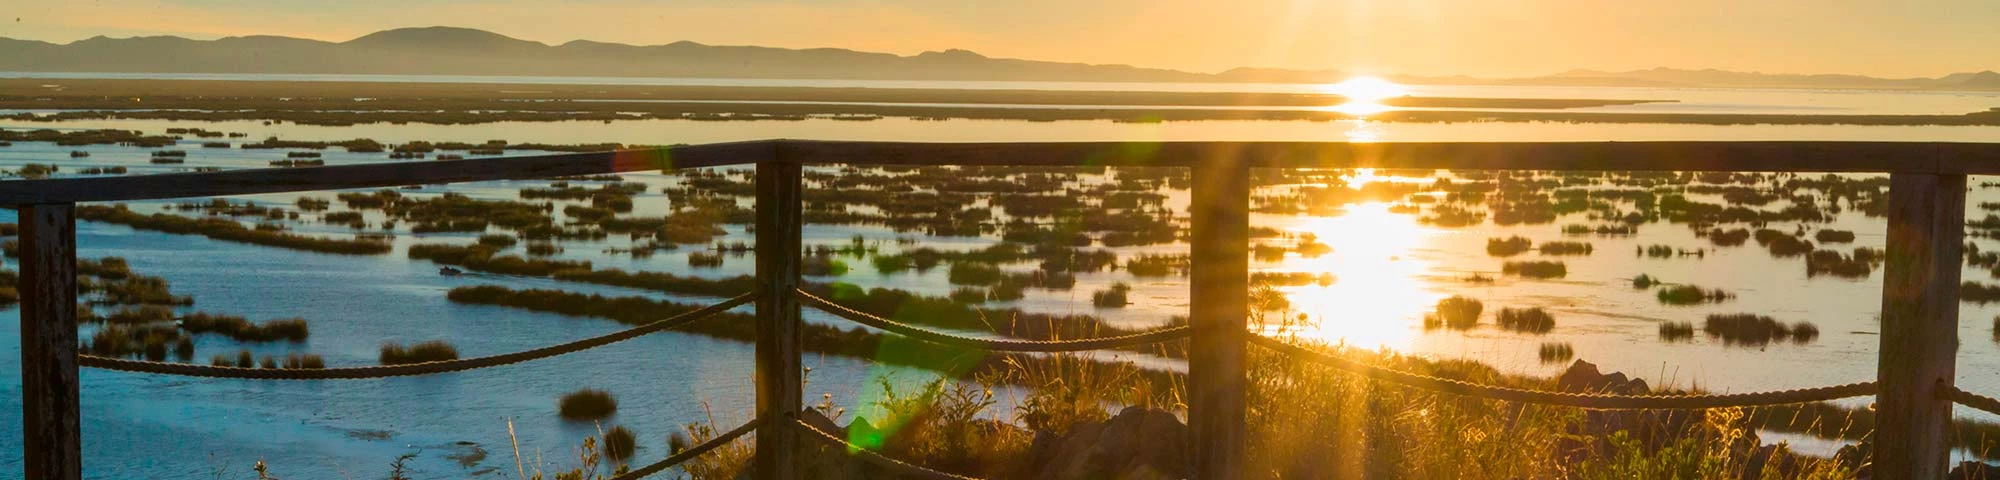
[(1367, 89), (1365, 95), (1380, 295)]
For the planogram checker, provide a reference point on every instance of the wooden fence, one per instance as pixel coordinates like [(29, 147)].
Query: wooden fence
[(1913, 388)]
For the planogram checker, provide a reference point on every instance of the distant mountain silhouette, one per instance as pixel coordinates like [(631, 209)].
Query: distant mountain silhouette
[(464, 51)]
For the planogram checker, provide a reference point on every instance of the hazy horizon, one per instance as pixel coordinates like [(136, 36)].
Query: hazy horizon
[(1475, 38)]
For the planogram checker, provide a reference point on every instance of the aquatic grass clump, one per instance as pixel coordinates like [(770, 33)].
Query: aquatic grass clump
[(587, 404), (1728, 238), (1833, 236), (1537, 269), (1455, 312), (1526, 320), (618, 443), (968, 295), (1148, 265), (972, 273), (817, 266), (498, 240), (1114, 297), (1565, 248), (1556, 352), (1752, 330), (228, 230), (1676, 331), (1507, 247), (1976, 292), (1828, 262), (304, 360), (704, 259), (428, 351), (1692, 295), (292, 329)]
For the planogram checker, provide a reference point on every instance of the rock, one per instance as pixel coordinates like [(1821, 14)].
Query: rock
[(1138, 443), (1973, 471), (1583, 376)]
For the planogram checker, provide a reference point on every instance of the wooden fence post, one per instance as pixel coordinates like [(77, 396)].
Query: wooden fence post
[(1220, 244), (53, 445), (1919, 324), (779, 361)]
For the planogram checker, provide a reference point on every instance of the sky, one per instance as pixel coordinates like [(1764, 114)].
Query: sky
[(1489, 38)]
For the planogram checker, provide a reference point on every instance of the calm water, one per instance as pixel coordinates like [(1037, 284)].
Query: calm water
[(1684, 100), (1386, 281)]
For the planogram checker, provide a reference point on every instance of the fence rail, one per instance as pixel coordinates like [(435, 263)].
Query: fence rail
[(1913, 389)]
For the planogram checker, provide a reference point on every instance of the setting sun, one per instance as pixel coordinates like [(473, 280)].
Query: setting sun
[(1364, 95), (1367, 89)]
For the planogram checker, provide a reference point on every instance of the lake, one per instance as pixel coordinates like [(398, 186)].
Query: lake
[(1384, 283)]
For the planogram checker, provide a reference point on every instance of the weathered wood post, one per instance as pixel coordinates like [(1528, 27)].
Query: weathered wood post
[(1220, 244), (779, 362), (48, 343), (1919, 324)]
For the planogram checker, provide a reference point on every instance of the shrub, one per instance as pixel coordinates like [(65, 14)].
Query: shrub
[(1526, 320), (430, 351), (1455, 312), (1644, 281), (587, 404)]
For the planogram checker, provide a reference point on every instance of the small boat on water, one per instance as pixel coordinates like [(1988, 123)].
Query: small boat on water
[(450, 272)]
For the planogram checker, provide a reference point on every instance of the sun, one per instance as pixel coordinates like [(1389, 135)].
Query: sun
[(1367, 89)]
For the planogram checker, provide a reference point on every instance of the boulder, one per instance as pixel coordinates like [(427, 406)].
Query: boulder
[(1137, 444)]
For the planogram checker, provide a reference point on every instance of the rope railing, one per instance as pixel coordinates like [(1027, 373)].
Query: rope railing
[(425, 368), (1580, 400), (896, 467), (691, 452), (991, 344), (1972, 400)]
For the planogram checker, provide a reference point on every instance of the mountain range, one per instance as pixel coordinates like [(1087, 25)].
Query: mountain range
[(463, 51)]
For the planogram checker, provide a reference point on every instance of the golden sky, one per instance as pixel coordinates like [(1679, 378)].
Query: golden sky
[(1428, 37)]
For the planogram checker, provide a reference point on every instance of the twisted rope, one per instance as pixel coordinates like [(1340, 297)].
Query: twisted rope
[(684, 455), (1975, 401), (895, 466), (1579, 400), (991, 344), (425, 368)]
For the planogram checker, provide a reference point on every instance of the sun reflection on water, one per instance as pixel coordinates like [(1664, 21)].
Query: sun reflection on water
[(1380, 296)]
